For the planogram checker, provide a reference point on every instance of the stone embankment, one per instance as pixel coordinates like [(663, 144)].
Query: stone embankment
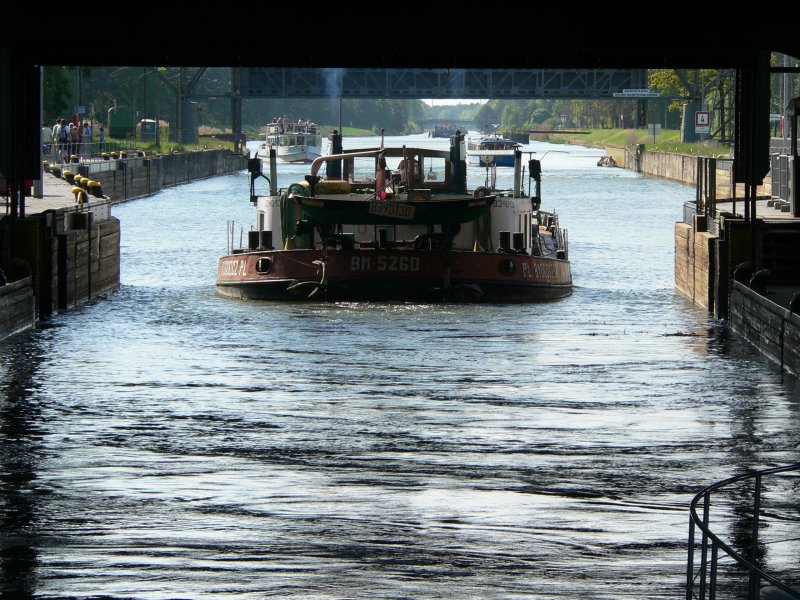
[(64, 249), (714, 247)]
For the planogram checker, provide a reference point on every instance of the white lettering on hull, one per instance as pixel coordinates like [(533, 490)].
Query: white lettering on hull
[(391, 209), (392, 262), (233, 268), (540, 270)]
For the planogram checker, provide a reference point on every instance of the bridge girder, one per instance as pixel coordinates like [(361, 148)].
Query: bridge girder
[(437, 83)]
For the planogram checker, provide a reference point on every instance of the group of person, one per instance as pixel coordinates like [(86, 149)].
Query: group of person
[(66, 139), (285, 125)]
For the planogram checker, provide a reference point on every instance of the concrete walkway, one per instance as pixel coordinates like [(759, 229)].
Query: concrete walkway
[(765, 209), (56, 194)]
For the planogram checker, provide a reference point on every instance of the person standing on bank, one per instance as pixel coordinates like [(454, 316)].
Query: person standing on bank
[(56, 137), (75, 139), (47, 139), (86, 142)]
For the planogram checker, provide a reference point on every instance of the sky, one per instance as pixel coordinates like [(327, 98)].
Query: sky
[(450, 101)]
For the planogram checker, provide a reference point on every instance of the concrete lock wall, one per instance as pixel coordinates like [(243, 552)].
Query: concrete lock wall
[(17, 307), (695, 262), (677, 167), (142, 176), (88, 260), (683, 169), (769, 327), (73, 254)]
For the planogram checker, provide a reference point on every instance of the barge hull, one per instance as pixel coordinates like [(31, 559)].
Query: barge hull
[(385, 274)]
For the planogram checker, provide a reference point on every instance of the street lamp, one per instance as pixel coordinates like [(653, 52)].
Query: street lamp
[(108, 120)]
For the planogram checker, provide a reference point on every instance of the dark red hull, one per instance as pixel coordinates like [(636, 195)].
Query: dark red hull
[(393, 275)]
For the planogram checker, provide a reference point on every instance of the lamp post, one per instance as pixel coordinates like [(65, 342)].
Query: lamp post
[(108, 119)]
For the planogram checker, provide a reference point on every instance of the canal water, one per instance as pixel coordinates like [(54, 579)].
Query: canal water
[(166, 442)]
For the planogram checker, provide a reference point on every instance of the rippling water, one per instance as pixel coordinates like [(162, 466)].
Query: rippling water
[(165, 442)]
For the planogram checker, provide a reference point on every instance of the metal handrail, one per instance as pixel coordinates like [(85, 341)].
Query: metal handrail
[(756, 574)]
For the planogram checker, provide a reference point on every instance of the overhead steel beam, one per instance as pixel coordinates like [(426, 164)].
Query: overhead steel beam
[(438, 83)]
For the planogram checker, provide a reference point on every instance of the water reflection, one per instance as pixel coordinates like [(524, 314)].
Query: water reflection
[(170, 442), (20, 461)]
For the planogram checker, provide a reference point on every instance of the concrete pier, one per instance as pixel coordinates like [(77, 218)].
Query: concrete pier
[(62, 252), (716, 269)]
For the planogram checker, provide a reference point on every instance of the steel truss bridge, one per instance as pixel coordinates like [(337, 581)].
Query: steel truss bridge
[(299, 82)]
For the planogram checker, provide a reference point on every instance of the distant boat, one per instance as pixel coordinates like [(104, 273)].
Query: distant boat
[(444, 130), (294, 142), (492, 150)]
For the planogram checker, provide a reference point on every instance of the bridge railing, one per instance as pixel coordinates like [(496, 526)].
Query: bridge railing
[(703, 579)]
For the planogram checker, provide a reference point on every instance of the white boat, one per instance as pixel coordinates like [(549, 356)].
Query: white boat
[(492, 150), (294, 142)]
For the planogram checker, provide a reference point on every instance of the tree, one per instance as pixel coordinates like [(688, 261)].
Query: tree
[(540, 115), (682, 85), (512, 116), (57, 92), (486, 117)]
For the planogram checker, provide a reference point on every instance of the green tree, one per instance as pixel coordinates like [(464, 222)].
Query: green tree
[(540, 115), (681, 85), (486, 117), (57, 84), (512, 116)]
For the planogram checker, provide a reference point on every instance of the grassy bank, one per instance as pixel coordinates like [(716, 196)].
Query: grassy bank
[(206, 142), (666, 141)]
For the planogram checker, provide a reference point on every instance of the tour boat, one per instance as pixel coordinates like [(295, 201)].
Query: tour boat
[(295, 142), (492, 150), (443, 130), (397, 224)]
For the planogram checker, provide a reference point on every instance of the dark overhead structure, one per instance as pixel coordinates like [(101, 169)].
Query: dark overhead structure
[(561, 55), (537, 41), (372, 82)]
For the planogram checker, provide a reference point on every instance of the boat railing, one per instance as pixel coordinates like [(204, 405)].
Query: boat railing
[(703, 579), (318, 162)]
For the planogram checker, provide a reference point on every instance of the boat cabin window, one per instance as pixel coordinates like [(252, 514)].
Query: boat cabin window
[(435, 169), (409, 170), (416, 170), (364, 168)]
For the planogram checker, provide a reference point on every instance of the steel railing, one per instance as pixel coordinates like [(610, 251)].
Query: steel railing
[(702, 583), (86, 151)]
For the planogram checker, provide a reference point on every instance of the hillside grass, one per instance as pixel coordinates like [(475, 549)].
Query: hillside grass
[(666, 141)]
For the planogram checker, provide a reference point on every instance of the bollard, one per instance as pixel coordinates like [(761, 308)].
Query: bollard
[(794, 303), (80, 195), (758, 282), (95, 189)]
